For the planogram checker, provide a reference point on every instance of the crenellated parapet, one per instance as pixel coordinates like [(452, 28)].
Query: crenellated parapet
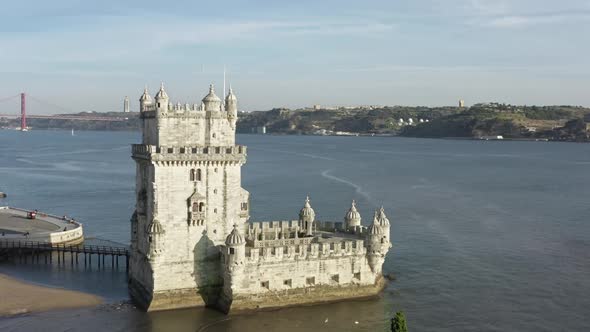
[(185, 154), (305, 251)]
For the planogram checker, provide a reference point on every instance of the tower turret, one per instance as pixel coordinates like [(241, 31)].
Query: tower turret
[(145, 100), (211, 102), (376, 244), (231, 106), (384, 222), (154, 232), (352, 220), (307, 217), (162, 99), (236, 249)]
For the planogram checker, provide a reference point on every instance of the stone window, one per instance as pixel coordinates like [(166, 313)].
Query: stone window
[(357, 276), (214, 210), (182, 150), (265, 284), (310, 281), (336, 278), (194, 150), (195, 174), (217, 149), (201, 207), (232, 251), (245, 206), (215, 191), (288, 283), (170, 150)]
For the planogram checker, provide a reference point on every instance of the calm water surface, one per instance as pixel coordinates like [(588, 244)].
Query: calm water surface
[(488, 236)]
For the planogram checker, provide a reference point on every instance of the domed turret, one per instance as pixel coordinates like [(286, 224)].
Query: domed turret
[(155, 228), (235, 251), (353, 217), (375, 229), (211, 101), (383, 221), (154, 232), (307, 217), (375, 239), (162, 99), (234, 238), (144, 100)]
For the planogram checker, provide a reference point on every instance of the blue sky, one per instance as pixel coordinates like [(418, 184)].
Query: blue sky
[(87, 55)]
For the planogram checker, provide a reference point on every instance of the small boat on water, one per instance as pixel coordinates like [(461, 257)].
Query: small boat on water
[(72, 131)]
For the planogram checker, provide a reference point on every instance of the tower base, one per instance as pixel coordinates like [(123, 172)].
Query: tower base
[(299, 296), (172, 299)]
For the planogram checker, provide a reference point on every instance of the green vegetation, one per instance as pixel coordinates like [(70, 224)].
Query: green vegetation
[(398, 323), (564, 123), (359, 120)]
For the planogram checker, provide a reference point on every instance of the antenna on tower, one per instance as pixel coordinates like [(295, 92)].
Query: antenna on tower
[(223, 97)]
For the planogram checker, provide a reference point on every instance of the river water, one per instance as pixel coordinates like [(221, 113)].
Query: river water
[(487, 236)]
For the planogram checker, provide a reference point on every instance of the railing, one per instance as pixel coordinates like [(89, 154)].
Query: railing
[(85, 249), (36, 249)]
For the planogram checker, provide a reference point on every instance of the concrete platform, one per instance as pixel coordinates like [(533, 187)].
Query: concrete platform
[(14, 226)]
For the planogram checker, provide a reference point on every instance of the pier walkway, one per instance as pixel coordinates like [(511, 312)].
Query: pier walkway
[(16, 226), (36, 251)]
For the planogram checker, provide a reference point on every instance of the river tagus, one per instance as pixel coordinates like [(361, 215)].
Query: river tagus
[(487, 235)]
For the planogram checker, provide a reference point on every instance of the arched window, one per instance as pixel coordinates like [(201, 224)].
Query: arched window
[(201, 207), (195, 207), (192, 176), (198, 176)]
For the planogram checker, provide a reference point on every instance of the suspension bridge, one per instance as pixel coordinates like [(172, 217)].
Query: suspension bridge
[(23, 115)]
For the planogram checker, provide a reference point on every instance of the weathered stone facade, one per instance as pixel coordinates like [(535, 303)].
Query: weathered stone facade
[(191, 241)]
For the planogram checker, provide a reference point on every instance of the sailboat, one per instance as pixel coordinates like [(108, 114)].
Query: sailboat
[(72, 131)]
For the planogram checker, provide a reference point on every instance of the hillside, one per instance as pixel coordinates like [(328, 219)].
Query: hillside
[(516, 122)]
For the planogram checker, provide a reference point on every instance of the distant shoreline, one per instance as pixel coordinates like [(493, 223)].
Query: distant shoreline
[(19, 297)]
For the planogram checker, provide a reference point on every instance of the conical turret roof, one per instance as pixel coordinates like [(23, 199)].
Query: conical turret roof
[(162, 93), (383, 221), (353, 215), (375, 228), (234, 238), (211, 96), (307, 211), (146, 95), (155, 227)]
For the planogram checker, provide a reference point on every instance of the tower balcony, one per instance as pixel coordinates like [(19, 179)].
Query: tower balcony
[(235, 153)]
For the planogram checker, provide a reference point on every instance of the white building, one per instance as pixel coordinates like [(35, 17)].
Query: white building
[(126, 105), (192, 244)]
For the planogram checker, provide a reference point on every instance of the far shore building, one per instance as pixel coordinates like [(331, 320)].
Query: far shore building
[(126, 105)]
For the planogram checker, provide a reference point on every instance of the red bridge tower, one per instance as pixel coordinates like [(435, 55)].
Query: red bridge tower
[(23, 113)]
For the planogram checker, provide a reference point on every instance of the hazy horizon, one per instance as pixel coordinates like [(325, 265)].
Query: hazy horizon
[(89, 56)]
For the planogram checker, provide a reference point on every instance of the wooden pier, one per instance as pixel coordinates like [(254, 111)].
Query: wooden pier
[(42, 250)]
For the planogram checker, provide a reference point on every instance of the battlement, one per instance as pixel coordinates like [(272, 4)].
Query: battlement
[(338, 247), (188, 111), (235, 153)]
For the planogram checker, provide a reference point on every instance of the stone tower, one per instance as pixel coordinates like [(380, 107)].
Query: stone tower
[(188, 199)]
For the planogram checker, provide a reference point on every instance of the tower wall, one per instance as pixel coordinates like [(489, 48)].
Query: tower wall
[(189, 180)]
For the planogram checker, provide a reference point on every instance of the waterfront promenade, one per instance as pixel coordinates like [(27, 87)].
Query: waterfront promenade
[(15, 226)]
